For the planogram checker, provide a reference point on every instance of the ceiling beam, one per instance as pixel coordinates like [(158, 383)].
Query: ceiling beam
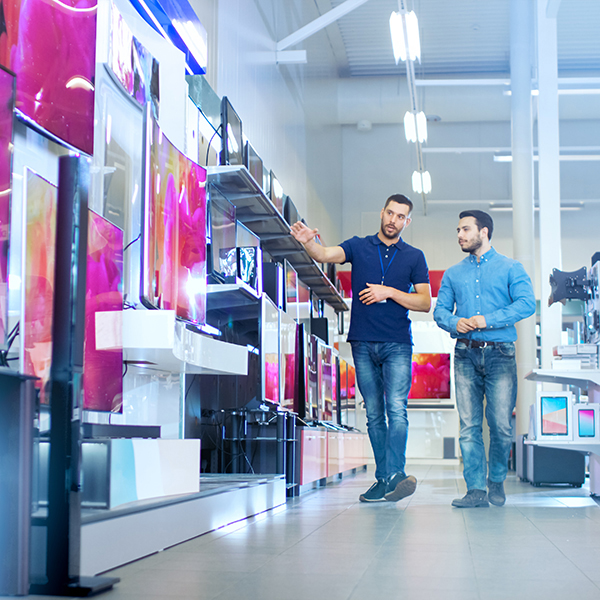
[(319, 23)]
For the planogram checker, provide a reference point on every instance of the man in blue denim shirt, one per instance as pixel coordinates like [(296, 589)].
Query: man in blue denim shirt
[(480, 300), (384, 269)]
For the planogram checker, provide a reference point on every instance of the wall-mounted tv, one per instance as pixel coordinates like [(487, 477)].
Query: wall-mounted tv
[(430, 377), (232, 149), (222, 236), (51, 46), (37, 291), (7, 103), (103, 350), (276, 193), (174, 234), (254, 164), (269, 348)]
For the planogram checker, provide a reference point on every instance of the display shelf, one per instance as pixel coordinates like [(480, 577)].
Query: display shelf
[(236, 299), (156, 339), (581, 378), (257, 212), (587, 447)]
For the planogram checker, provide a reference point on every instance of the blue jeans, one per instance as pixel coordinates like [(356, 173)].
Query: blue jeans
[(383, 375), (489, 372)]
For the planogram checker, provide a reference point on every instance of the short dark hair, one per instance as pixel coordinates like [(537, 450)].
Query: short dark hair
[(400, 199), (482, 219)]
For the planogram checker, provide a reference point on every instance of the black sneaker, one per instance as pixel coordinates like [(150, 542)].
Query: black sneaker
[(472, 499), (496, 493), (375, 493), (400, 486)]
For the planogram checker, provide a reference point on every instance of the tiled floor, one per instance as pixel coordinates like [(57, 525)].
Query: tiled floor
[(545, 543)]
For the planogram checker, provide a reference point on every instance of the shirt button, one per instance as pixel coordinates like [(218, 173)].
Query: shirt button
[(476, 296)]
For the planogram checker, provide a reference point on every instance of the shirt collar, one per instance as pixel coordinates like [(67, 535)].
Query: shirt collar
[(377, 242), (485, 257)]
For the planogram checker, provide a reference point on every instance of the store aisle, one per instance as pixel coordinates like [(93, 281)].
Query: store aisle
[(544, 543)]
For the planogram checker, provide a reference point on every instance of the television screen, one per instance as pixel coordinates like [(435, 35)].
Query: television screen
[(554, 415), (51, 46), (7, 103), (276, 193), (290, 212), (174, 236), (249, 257), (254, 164), (312, 396), (222, 236), (232, 150), (288, 360), (269, 348), (103, 349), (586, 422), (351, 386), (37, 309), (291, 291), (430, 376), (326, 382)]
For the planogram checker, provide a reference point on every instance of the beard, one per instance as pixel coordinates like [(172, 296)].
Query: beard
[(472, 247), (389, 236)]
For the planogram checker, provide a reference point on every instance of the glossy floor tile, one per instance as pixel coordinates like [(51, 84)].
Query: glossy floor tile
[(544, 543)]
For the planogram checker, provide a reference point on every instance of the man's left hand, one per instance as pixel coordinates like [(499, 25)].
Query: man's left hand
[(478, 321), (374, 293)]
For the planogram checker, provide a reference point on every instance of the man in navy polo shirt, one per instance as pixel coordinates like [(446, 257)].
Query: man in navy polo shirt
[(389, 278)]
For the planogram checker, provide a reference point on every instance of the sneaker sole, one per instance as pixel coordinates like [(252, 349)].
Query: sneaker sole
[(478, 505), (405, 488), (363, 499)]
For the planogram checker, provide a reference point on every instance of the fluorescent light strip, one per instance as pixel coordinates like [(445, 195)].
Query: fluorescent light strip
[(562, 157)]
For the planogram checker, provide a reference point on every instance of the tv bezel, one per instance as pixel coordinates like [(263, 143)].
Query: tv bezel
[(226, 111)]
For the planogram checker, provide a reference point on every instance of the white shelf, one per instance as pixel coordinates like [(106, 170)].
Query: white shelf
[(589, 447), (581, 378), (156, 339)]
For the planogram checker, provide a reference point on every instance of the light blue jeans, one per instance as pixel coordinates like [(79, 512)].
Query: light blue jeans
[(489, 372), (383, 375)]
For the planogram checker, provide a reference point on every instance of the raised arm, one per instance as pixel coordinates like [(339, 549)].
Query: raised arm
[(322, 254)]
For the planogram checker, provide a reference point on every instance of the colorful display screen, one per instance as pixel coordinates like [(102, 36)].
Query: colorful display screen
[(430, 376), (554, 415), (326, 381), (51, 46), (586, 422), (270, 350), (131, 63), (343, 384), (312, 397), (351, 386), (103, 351), (40, 198), (174, 256), (223, 239), (7, 102)]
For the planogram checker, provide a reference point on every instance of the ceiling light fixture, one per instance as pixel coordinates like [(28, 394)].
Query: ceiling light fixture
[(415, 126), (404, 28), (421, 182), (504, 207)]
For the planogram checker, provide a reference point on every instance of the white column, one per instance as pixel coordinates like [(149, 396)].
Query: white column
[(521, 29), (548, 177)]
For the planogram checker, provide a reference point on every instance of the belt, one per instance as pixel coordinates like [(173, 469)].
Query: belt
[(476, 343)]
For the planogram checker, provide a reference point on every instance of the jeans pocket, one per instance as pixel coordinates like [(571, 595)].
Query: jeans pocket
[(507, 349)]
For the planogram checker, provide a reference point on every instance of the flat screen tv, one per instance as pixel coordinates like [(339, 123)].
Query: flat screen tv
[(7, 103), (430, 377), (174, 234), (103, 344), (276, 193), (325, 362), (254, 164), (312, 411), (287, 342), (269, 348), (51, 46), (343, 388), (290, 212), (223, 237), (291, 291), (37, 296), (249, 257), (232, 144), (351, 387)]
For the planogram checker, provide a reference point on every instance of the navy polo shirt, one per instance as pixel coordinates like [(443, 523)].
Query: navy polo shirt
[(400, 266)]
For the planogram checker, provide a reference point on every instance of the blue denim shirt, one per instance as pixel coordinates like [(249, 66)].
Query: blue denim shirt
[(497, 287)]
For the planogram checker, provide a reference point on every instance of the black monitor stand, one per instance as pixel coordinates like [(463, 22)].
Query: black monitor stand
[(63, 523)]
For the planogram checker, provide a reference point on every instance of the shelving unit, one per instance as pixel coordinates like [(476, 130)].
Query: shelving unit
[(256, 212)]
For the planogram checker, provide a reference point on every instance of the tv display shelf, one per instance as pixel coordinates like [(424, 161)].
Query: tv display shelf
[(155, 339), (587, 447), (258, 213), (238, 300)]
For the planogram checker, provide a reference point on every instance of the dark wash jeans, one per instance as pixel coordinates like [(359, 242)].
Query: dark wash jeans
[(489, 372), (383, 375)]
